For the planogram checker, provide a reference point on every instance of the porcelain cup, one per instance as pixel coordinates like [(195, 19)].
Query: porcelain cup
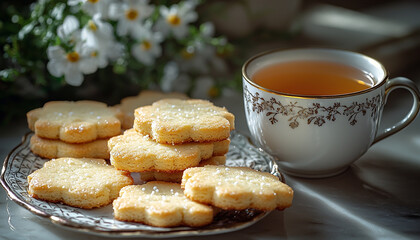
[(320, 136)]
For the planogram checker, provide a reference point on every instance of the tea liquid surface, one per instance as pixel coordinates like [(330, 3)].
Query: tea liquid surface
[(312, 78)]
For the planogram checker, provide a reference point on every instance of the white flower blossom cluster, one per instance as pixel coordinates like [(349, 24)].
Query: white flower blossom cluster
[(98, 43)]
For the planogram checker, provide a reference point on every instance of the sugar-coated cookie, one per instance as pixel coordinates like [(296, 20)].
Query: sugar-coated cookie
[(236, 188), (146, 97), (177, 121), (137, 153), (50, 148), (177, 175), (75, 122), (160, 204), (78, 182)]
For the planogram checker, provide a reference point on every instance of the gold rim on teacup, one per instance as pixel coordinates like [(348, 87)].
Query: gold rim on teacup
[(379, 82)]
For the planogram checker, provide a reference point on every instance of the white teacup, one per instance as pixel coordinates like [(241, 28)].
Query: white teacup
[(320, 136)]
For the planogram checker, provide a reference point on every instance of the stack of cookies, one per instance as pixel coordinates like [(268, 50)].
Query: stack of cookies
[(73, 129), (170, 136), (74, 135), (177, 146)]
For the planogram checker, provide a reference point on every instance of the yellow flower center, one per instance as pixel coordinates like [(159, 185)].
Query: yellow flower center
[(92, 26), (94, 54), (131, 14), (146, 45), (213, 92), (93, 1), (73, 57), (173, 20), (187, 53)]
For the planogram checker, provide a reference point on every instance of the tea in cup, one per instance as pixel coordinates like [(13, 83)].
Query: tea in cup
[(318, 110)]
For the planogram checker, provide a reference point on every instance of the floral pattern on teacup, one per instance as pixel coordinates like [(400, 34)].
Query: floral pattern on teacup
[(317, 114)]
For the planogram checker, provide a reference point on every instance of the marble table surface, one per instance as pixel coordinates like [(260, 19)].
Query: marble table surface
[(378, 197)]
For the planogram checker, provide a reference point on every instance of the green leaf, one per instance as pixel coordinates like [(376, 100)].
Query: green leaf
[(119, 69), (8, 75)]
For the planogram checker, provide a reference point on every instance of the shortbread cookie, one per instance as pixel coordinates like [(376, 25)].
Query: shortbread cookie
[(137, 153), (79, 182), (49, 148), (147, 97), (160, 204), (177, 121), (236, 188), (177, 176), (75, 122)]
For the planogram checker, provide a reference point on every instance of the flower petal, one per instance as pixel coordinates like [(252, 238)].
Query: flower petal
[(73, 78), (162, 27), (156, 50), (55, 52), (142, 56), (180, 31), (122, 28), (88, 65), (190, 17), (70, 24), (74, 2), (114, 11), (115, 51), (55, 68), (164, 11), (207, 29), (101, 62)]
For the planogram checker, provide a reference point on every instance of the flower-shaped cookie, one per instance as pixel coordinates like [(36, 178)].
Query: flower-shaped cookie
[(79, 182), (137, 153), (75, 122), (236, 188), (177, 121), (160, 204)]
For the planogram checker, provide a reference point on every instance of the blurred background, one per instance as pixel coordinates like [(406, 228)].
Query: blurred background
[(387, 30), (384, 29)]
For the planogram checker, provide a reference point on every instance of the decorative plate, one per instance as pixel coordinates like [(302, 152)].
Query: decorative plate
[(21, 162)]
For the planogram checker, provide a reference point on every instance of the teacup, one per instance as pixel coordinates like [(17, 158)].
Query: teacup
[(320, 135)]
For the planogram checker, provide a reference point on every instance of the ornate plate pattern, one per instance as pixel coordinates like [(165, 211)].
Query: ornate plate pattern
[(21, 162)]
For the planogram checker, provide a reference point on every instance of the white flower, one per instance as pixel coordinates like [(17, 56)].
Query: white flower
[(92, 7), (130, 15), (172, 80), (200, 56), (212, 60), (99, 36), (207, 30), (175, 19), (72, 64), (204, 88), (191, 61), (148, 46), (208, 51), (69, 30)]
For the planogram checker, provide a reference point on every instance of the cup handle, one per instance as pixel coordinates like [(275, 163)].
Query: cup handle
[(405, 83)]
